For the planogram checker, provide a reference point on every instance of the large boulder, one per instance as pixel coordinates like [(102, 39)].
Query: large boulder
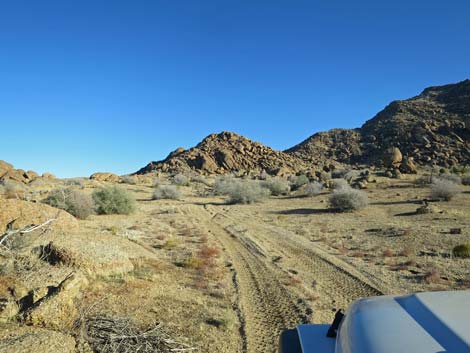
[(25, 339), (56, 309), (25, 213), (93, 254), (392, 157), (48, 176), (408, 166), (108, 177)]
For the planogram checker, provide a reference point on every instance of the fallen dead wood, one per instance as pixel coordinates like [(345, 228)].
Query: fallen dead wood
[(29, 229), (111, 334)]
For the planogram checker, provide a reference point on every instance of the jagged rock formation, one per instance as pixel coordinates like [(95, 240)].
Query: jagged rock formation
[(341, 145), (432, 128), (226, 152)]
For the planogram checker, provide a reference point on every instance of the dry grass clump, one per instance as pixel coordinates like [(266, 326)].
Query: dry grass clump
[(113, 200), (444, 189), (166, 192), (181, 180), (314, 188), (277, 186), (348, 199), (112, 334), (74, 201), (462, 250), (204, 259)]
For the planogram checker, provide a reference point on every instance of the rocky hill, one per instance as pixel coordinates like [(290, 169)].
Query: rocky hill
[(226, 152), (432, 128), (8, 172)]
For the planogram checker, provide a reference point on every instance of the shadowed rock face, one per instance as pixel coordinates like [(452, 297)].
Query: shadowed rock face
[(226, 152), (432, 128)]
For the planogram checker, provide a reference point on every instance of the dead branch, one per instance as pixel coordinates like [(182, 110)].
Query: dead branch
[(25, 230), (109, 334)]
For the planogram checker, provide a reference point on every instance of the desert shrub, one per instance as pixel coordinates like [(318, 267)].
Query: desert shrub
[(449, 177), (339, 184), (424, 180), (224, 184), (246, 191), (338, 173), (460, 169), (277, 186), (348, 199), (166, 192), (443, 189), (73, 201), (351, 174), (201, 179), (129, 179), (313, 188), (80, 182), (181, 180), (462, 250), (298, 181), (113, 200), (13, 190), (263, 175), (466, 179)]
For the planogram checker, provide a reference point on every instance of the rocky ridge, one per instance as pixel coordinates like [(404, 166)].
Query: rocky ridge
[(8, 172), (432, 128), (227, 152)]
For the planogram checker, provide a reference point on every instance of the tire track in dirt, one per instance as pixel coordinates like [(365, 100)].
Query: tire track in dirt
[(336, 283), (266, 306)]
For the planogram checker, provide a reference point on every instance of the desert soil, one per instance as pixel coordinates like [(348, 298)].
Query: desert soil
[(276, 264)]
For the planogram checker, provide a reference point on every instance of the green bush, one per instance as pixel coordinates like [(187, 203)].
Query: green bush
[(113, 200), (277, 186), (462, 250), (298, 181), (74, 201), (166, 192), (348, 199), (444, 189)]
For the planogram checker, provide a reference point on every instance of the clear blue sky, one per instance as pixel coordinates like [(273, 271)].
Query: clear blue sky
[(92, 85)]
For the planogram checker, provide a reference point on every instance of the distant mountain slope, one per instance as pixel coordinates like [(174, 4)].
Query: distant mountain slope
[(226, 152), (433, 128)]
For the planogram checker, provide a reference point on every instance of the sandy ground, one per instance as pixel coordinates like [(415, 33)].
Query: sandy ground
[(229, 278)]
